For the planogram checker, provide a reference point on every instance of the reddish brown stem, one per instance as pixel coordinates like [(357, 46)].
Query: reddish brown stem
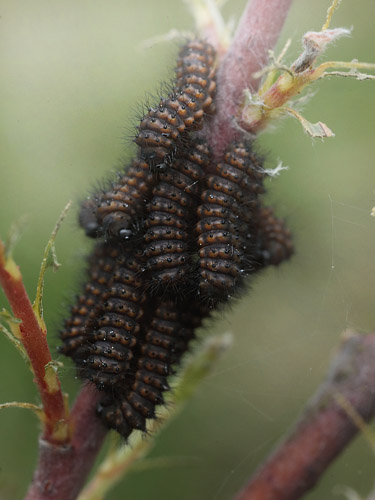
[(324, 429), (34, 341), (62, 470), (257, 33)]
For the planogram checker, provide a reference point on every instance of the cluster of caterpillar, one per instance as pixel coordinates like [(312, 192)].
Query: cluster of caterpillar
[(162, 133), (177, 236)]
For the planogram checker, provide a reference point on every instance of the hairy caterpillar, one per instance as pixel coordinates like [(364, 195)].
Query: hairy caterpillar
[(166, 339), (105, 356), (116, 212), (227, 210), (163, 128), (170, 210), (273, 240), (84, 313)]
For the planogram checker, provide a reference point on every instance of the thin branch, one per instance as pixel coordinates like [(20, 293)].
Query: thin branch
[(257, 33), (34, 341), (324, 429)]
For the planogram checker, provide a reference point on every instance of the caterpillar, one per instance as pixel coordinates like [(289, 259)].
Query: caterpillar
[(225, 215), (163, 128), (105, 357), (87, 218), (273, 240), (166, 339), (84, 313), (191, 74), (170, 210), (115, 213)]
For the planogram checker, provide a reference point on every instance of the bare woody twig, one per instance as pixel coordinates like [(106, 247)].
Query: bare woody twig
[(324, 429), (34, 341)]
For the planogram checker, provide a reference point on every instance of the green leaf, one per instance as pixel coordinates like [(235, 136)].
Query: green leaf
[(49, 260), (351, 74), (13, 334), (5, 315), (26, 406), (14, 234), (318, 129)]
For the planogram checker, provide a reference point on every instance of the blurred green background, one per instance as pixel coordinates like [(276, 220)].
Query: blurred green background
[(73, 75)]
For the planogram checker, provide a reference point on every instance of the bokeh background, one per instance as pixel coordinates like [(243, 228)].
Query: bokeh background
[(72, 77)]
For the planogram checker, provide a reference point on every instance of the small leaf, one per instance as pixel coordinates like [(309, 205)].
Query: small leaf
[(207, 17), (315, 43), (318, 129), (50, 376), (61, 430), (351, 74), (165, 462), (17, 344), (7, 263), (330, 11), (357, 419), (49, 260), (14, 334), (26, 406), (199, 366), (5, 315), (14, 234), (347, 492)]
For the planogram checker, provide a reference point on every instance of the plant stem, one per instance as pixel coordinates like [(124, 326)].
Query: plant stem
[(257, 33), (62, 470), (34, 341), (324, 429)]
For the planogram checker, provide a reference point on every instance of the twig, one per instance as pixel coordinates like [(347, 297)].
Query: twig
[(34, 341), (324, 429), (257, 33), (62, 470)]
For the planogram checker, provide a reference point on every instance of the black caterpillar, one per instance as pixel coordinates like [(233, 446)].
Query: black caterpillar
[(109, 348), (115, 213), (166, 340), (229, 201), (162, 129), (168, 224), (84, 313), (273, 240)]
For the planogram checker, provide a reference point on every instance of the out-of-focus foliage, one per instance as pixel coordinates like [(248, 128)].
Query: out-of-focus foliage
[(73, 77)]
